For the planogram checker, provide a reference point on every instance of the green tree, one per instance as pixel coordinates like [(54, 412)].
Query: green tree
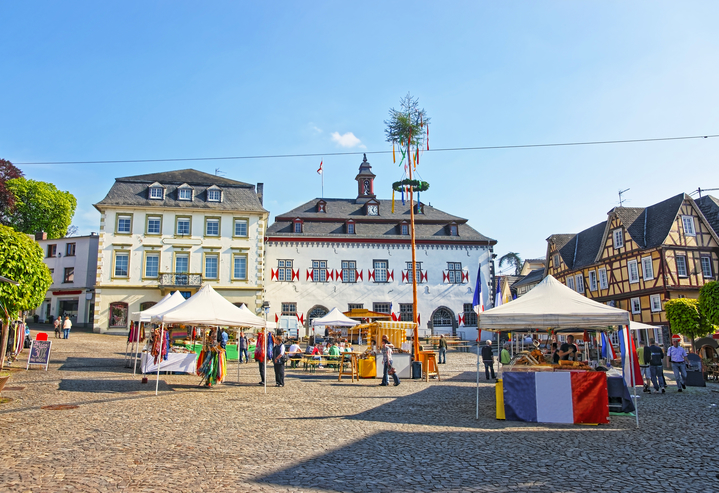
[(7, 200), (40, 206), (512, 259), (709, 301), (686, 318), (407, 123), (21, 260)]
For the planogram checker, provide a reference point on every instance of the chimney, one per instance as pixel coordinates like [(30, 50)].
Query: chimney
[(260, 192), (40, 235)]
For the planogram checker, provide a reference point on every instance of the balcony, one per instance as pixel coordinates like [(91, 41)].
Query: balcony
[(180, 280)]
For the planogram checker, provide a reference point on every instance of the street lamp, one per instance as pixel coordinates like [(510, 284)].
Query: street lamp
[(266, 309)]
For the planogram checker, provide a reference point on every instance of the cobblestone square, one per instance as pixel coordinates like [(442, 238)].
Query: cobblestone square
[(318, 434)]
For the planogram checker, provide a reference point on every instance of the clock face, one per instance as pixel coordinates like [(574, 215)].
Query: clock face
[(372, 210)]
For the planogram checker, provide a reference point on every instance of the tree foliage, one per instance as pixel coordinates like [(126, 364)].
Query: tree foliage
[(40, 206), (407, 122), (686, 318), (21, 259), (7, 199), (513, 259), (709, 301)]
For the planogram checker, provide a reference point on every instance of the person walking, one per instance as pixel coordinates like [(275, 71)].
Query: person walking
[(66, 326), (644, 368), (242, 347), (678, 358), (223, 339), (263, 351), (57, 324), (278, 359), (387, 361), (442, 350), (488, 360), (655, 355), (504, 356)]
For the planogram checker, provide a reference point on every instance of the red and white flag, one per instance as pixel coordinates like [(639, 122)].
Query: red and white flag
[(319, 171)]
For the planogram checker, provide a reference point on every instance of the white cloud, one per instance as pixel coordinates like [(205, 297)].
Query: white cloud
[(315, 128), (347, 140)]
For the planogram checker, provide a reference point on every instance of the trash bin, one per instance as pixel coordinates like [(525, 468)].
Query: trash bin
[(416, 369)]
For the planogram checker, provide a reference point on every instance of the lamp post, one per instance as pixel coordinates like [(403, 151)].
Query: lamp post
[(266, 309)]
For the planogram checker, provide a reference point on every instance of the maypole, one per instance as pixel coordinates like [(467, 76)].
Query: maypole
[(414, 254)]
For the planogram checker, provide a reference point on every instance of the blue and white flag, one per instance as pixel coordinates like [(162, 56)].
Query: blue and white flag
[(498, 295), (478, 301)]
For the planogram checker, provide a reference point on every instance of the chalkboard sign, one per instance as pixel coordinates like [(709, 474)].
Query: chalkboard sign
[(39, 354)]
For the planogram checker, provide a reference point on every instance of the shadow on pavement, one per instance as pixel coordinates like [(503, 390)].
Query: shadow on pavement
[(102, 386), (93, 364)]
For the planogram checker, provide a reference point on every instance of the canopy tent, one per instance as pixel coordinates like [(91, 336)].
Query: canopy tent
[(165, 304), (551, 305), (207, 307), (334, 318), (251, 316), (640, 326)]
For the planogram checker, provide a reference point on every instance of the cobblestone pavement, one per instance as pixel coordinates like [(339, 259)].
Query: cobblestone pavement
[(318, 434)]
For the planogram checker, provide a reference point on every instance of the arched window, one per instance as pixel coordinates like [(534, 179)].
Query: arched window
[(144, 306), (118, 315), (442, 318), (316, 311)]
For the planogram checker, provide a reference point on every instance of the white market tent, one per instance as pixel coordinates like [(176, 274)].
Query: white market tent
[(251, 316), (551, 305), (334, 318), (640, 326)]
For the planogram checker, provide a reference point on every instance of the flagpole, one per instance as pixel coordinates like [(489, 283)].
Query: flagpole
[(323, 182)]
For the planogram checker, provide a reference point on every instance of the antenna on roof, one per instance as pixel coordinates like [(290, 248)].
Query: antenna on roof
[(621, 200), (700, 190), (218, 172)]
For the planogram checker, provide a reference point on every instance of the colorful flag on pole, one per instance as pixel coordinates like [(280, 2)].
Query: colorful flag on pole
[(630, 362), (319, 171), (498, 295), (478, 301)]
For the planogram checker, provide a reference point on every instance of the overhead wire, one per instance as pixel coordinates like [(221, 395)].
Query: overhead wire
[(355, 153)]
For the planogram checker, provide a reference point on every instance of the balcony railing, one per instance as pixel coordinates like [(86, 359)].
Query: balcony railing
[(180, 280)]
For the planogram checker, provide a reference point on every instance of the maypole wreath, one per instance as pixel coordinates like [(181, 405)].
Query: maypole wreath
[(417, 185)]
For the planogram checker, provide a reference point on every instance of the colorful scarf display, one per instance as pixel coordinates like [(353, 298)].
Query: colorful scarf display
[(213, 365)]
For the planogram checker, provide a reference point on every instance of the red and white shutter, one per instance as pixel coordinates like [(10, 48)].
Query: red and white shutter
[(277, 318), (390, 275), (423, 276), (445, 276), (405, 277), (273, 277), (460, 319), (310, 275), (338, 275), (465, 277), (370, 275), (358, 274), (330, 275), (296, 274)]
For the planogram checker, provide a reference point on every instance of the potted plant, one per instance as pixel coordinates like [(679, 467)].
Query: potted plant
[(4, 376)]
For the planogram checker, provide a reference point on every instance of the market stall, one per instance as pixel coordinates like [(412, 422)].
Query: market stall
[(397, 333), (137, 331), (539, 391), (335, 319)]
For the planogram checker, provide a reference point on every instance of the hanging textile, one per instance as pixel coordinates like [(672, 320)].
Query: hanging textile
[(402, 195), (213, 365), (394, 159), (392, 201), (428, 136)]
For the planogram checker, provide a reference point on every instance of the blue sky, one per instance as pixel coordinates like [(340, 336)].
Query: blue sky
[(84, 81)]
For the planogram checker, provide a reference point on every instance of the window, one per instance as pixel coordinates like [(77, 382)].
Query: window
[(298, 227), (380, 270), (355, 306), (682, 266), (405, 312), (570, 282), (688, 224), (52, 272), (69, 275), (154, 225), (454, 271), (157, 193), (556, 261), (148, 304), (419, 272), (633, 271), (381, 308), (636, 305), (592, 280), (118, 314), (442, 317), (647, 268), (212, 227), (470, 317), (239, 267), (655, 301), (124, 225), (579, 280), (184, 193), (706, 263), (284, 270), (211, 266), (122, 260), (319, 270), (349, 271), (152, 264), (289, 309), (214, 195), (183, 226), (182, 263), (603, 283), (240, 228), (51, 250), (404, 228), (453, 230), (618, 236), (350, 228), (70, 250)]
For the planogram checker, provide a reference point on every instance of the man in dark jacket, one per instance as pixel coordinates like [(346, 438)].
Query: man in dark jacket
[(488, 359), (442, 350), (655, 355)]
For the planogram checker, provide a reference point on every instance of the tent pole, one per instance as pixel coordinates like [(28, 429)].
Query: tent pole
[(237, 338), (477, 407), (159, 361), (636, 406), (264, 360), (137, 348)]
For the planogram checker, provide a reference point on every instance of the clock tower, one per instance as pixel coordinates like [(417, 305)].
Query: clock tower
[(365, 182)]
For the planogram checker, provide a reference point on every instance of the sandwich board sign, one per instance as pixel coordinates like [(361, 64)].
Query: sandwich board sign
[(39, 354)]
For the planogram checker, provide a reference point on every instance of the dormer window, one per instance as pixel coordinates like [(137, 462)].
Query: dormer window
[(453, 229), (372, 208), (297, 226), (322, 206), (404, 229), (350, 227), (184, 192), (157, 191), (419, 208), (214, 194)]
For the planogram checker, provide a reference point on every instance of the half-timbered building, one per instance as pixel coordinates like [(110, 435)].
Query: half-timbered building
[(639, 257)]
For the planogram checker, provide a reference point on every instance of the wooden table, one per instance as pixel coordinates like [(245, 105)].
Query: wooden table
[(429, 365), (354, 365)]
